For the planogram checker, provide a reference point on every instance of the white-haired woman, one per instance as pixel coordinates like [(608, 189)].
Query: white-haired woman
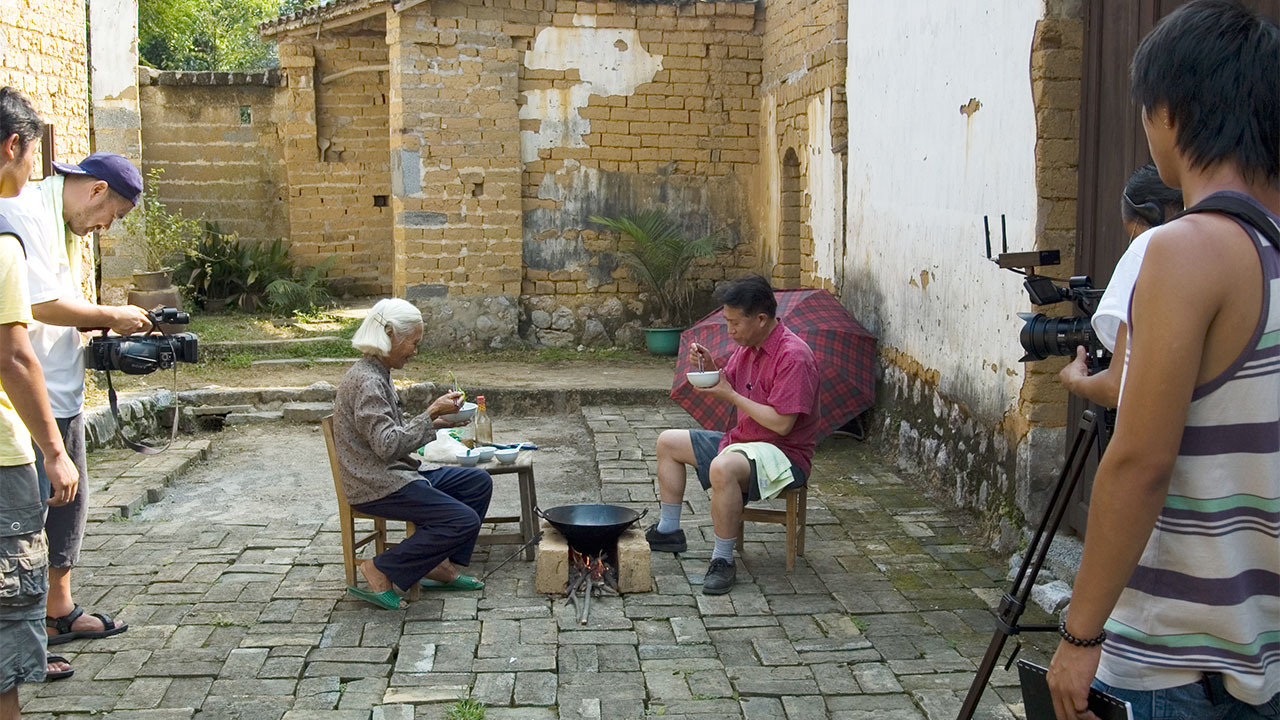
[(373, 441)]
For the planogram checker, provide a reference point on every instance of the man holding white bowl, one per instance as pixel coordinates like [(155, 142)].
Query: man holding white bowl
[(772, 380)]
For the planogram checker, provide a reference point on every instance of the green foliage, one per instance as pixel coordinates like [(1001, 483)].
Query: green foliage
[(303, 292), (659, 258), (223, 271), (164, 236), (466, 710), (206, 34)]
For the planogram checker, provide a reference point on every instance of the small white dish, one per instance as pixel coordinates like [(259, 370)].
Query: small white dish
[(506, 456), (468, 458), (704, 379), (486, 453)]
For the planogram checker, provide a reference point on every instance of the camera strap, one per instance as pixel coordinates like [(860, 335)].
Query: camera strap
[(1241, 210), (133, 444), (7, 228)]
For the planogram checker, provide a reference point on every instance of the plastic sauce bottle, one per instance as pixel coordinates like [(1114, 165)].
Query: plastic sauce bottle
[(484, 426)]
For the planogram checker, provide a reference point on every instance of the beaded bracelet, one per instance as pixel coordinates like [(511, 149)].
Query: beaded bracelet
[(1091, 642)]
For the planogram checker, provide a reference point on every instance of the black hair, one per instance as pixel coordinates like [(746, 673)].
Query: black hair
[(18, 117), (751, 294), (1216, 66), (1147, 199)]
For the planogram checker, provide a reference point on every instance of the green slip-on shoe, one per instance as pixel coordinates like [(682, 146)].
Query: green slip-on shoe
[(387, 599), (462, 582)]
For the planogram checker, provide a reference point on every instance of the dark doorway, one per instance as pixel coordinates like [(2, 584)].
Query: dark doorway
[(1112, 145)]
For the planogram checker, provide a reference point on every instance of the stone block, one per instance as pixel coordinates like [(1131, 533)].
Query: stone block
[(253, 418), (305, 411), (634, 574)]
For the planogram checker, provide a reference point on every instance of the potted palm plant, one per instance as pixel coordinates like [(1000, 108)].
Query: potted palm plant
[(659, 257)]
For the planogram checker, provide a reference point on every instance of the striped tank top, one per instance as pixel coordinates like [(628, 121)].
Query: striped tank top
[(1205, 596)]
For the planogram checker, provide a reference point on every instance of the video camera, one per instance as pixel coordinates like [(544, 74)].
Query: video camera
[(1043, 336), (145, 353)]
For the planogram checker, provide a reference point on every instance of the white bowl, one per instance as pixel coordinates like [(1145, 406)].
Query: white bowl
[(468, 458), (507, 456), (486, 453), (467, 412), (704, 379)]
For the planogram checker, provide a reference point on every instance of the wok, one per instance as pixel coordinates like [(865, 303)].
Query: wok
[(591, 528)]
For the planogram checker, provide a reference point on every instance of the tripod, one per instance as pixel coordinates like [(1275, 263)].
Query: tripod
[(1090, 433)]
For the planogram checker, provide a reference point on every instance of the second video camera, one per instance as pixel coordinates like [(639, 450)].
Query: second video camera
[(1043, 336)]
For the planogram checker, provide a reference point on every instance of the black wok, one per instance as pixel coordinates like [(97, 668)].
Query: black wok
[(591, 528)]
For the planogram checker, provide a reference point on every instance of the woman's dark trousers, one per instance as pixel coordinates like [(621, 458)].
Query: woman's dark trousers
[(446, 506)]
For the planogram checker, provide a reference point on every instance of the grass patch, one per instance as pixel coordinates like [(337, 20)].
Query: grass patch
[(465, 710), (219, 327), (859, 623)]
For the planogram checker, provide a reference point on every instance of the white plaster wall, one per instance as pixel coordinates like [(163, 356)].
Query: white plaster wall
[(825, 188), (114, 51), (609, 62), (922, 175)]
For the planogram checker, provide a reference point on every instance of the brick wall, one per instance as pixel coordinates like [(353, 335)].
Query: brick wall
[(214, 138), (678, 133), (802, 99), (336, 148), (1056, 65), (43, 54)]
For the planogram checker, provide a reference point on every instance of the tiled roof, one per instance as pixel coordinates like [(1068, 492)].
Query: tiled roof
[(314, 14)]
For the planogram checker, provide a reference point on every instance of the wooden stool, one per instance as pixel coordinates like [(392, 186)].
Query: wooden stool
[(347, 518), (522, 468), (793, 517)]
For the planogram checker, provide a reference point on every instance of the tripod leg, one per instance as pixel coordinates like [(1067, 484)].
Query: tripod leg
[(1013, 603)]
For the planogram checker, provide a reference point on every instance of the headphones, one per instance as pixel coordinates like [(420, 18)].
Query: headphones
[(1151, 213)]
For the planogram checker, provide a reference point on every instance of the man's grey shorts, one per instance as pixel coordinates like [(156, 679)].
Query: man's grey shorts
[(65, 523), (706, 446)]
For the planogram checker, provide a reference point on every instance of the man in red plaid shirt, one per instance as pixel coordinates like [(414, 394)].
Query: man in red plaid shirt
[(772, 379)]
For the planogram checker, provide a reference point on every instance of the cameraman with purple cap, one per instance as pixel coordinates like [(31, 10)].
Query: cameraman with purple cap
[(52, 215)]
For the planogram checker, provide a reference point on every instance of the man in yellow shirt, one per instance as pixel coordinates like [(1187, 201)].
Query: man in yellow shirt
[(23, 404)]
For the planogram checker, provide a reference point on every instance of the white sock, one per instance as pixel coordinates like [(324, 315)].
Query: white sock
[(669, 521), (723, 549)]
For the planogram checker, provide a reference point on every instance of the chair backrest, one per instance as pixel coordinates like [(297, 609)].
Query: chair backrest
[(326, 427)]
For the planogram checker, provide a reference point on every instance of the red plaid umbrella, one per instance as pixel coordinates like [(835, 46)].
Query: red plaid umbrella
[(844, 350)]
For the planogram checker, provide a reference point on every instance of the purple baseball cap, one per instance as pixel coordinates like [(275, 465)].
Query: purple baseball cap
[(115, 170)]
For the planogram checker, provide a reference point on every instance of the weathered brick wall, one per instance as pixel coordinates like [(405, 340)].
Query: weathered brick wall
[(215, 139), (804, 123), (336, 149), (43, 54), (675, 129)]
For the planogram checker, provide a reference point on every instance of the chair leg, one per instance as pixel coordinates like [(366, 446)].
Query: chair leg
[(802, 519), (348, 548), (380, 540), (791, 531)]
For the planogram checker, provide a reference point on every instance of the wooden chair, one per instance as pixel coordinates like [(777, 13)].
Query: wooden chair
[(347, 517), (793, 518)]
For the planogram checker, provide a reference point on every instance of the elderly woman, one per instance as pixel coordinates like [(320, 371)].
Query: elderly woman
[(373, 442)]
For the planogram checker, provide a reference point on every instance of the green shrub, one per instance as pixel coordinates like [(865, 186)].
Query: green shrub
[(224, 272)]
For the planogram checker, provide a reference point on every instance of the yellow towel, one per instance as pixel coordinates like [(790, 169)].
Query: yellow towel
[(773, 469)]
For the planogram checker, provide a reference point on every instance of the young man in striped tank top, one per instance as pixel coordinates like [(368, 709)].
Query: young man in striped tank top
[(1177, 602)]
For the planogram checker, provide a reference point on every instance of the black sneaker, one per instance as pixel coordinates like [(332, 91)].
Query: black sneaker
[(672, 542), (720, 577)]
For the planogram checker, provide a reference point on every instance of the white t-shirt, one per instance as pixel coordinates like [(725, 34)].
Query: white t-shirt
[(37, 213), (1113, 308)]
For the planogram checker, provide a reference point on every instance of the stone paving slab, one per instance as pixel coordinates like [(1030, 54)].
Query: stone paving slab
[(245, 616)]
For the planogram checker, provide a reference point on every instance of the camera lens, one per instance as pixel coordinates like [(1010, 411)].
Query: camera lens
[(1043, 336)]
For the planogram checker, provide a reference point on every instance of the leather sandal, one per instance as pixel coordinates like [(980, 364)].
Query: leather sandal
[(57, 674), (66, 634)]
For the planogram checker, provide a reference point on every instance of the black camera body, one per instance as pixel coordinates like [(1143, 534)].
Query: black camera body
[(1043, 336), (145, 353)]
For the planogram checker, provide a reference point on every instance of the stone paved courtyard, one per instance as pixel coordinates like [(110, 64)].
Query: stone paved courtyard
[(245, 617)]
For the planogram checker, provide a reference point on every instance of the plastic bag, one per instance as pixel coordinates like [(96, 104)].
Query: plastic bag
[(444, 448)]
